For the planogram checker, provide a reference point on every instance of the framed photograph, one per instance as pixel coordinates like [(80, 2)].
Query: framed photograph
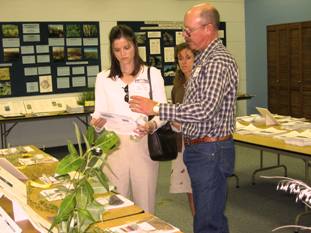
[(155, 61), (5, 73), (74, 54), (10, 31), (90, 53), (168, 38), (5, 89), (73, 30), (56, 30), (90, 30), (140, 38), (45, 83), (169, 70), (11, 54), (58, 53)]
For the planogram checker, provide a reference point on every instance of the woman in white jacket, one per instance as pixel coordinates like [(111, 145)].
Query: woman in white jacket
[(133, 172)]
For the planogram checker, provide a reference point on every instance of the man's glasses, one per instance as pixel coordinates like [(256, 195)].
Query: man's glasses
[(187, 31), (126, 90)]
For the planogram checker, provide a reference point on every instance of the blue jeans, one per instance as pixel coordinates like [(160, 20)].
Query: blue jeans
[(209, 165)]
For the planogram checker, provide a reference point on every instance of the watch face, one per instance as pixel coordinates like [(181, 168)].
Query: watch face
[(156, 108)]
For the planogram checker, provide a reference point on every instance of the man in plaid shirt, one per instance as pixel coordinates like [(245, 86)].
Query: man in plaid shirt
[(207, 115)]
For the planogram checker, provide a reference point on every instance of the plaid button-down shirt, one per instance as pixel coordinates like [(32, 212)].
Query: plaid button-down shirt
[(208, 108)]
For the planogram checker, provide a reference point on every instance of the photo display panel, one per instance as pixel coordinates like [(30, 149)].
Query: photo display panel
[(157, 41), (39, 58)]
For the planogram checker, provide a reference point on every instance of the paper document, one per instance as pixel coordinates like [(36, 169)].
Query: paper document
[(119, 124), (296, 138), (153, 224), (7, 224), (5, 164), (267, 115)]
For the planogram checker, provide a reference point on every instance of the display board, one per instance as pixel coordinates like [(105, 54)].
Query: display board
[(39, 58), (157, 41)]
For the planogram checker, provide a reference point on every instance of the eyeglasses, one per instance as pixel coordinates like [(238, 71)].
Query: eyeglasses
[(126, 90), (187, 31)]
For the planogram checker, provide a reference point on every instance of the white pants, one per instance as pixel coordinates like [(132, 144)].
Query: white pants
[(180, 180), (133, 172)]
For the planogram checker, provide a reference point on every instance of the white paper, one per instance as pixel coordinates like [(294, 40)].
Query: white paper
[(19, 213), (5, 164), (179, 38), (92, 70), (7, 224), (27, 49), (169, 54), (30, 71), (118, 123), (74, 41), (31, 28), (31, 38), (56, 41), (154, 45), (53, 194), (90, 41)]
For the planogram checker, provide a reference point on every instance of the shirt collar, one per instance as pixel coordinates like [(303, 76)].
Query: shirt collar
[(206, 52)]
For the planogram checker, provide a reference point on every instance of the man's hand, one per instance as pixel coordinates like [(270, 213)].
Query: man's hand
[(142, 105)]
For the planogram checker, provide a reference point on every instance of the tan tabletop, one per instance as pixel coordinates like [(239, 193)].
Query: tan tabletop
[(126, 220), (270, 142)]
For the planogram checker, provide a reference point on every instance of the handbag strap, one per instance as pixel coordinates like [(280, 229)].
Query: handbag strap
[(149, 79), (150, 89)]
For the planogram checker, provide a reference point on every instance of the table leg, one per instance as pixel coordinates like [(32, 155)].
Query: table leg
[(262, 168)]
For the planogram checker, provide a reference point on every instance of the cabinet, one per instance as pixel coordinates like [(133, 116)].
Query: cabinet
[(289, 69)]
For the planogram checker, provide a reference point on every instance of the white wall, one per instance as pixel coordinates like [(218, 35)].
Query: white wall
[(107, 12)]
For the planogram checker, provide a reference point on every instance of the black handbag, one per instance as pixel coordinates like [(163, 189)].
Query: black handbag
[(162, 143)]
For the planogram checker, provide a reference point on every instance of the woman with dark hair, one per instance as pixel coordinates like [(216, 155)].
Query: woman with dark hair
[(132, 171), (180, 180)]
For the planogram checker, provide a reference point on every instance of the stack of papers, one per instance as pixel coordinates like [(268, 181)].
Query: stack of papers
[(154, 225), (296, 138), (37, 159), (251, 129), (7, 224)]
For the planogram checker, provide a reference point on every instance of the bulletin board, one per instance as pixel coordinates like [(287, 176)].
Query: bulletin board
[(38, 58), (157, 41)]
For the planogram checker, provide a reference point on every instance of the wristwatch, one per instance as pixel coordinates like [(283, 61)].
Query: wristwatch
[(156, 108)]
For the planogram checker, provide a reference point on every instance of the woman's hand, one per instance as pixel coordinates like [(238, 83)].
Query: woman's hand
[(176, 126), (143, 130), (98, 123)]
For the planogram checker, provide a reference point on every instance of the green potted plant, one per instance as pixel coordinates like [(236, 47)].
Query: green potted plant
[(82, 167)]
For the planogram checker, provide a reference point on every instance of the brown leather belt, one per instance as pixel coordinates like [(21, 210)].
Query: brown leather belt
[(206, 139)]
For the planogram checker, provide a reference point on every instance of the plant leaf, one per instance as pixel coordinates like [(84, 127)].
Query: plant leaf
[(65, 209), (85, 214), (85, 194), (90, 135), (71, 148), (96, 210), (78, 136), (93, 161), (102, 178), (107, 141), (68, 164), (87, 144)]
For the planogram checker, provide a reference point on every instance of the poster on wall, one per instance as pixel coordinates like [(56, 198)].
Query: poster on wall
[(39, 58), (157, 41)]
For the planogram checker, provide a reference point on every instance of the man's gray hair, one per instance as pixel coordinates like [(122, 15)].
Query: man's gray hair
[(210, 15)]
